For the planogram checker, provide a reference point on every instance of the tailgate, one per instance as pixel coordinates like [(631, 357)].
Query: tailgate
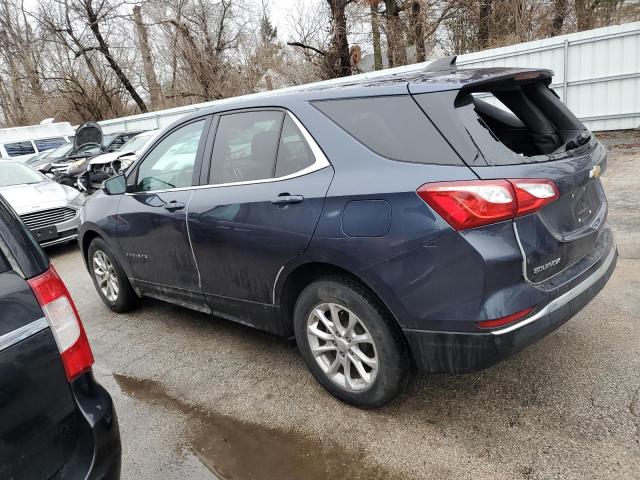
[(512, 126), (565, 231), (37, 412)]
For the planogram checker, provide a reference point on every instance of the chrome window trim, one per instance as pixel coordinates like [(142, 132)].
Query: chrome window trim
[(319, 163), (566, 297), (10, 339)]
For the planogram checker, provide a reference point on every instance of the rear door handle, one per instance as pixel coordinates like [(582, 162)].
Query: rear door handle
[(286, 199), (173, 206)]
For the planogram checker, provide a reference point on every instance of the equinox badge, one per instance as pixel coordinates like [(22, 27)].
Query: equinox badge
[(542, 268)]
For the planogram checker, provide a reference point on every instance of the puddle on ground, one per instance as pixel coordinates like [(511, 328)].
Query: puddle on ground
[(234, 450)]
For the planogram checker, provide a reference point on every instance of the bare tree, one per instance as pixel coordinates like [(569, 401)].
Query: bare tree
[(155, 93)]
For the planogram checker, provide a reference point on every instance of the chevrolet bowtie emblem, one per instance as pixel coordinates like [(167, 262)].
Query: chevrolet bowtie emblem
[(595, 172)]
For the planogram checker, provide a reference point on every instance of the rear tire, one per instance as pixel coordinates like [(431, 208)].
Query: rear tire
[(364, 342), (109, 278)]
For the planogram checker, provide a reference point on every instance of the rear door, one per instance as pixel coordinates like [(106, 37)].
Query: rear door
[(266, 189), (510, 128), (37, 410)]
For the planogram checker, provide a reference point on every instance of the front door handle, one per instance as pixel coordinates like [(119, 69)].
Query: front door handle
[(173, 206), (286, 199)]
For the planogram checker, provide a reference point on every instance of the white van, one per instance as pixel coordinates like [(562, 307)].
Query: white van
[(20, 143)]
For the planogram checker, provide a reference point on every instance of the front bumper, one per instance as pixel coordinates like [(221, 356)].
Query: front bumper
[(457, 352)]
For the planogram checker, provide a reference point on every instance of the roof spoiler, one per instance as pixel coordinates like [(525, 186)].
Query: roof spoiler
[(445, 64)]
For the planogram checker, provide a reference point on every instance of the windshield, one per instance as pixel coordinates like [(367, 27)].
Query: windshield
[(135, 144), (60, 152), (18, 174)]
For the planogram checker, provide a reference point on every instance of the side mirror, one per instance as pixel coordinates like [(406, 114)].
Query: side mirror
[(50, 175), (115, 185)]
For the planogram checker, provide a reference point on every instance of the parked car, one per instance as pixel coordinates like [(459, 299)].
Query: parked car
[(89, 141), (20, 143), (382, 222), (42, 162), (109, 164), (48, 209), (56, 421)]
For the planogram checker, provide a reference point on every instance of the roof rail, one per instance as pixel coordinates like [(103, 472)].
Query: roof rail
[(444, 64)]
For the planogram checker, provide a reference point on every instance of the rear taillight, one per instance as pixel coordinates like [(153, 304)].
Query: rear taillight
[(469, 204), (64, 321), (533, 194)]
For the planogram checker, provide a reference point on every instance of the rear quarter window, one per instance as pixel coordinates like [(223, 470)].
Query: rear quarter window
[(392, 126)]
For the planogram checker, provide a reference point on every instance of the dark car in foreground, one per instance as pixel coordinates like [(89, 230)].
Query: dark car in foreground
[(444, 218), (56, 421)]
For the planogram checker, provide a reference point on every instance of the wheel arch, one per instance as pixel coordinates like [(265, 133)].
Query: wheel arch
[(299, 277)]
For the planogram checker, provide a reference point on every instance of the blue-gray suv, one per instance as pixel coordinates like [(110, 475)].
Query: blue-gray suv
[(444, 219)]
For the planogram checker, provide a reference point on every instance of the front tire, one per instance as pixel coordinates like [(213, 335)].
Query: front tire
[(349, 343), (109, 278)]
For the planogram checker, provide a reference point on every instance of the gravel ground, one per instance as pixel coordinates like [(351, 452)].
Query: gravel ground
[(199, 397)]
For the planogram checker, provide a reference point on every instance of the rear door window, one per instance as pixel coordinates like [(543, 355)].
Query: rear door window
[(45, 144), (4, 263), (391, 126), (294, 153), (16, 149), (245, 146)]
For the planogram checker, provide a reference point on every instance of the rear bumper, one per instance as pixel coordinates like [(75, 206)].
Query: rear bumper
[(98, 451), (457, 352)]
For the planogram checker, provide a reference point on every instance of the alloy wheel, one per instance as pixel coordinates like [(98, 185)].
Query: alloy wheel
[(105, 275), (342, 346)]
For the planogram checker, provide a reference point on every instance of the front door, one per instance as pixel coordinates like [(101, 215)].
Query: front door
[(268, 185), (152, 225)]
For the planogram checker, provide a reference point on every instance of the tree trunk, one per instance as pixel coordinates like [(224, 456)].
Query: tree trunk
[(375, 34), (337, 58), (584, 14), (396, 48), (155, 93), (484, 24), (417, 31), (559, 15), (104, 49)]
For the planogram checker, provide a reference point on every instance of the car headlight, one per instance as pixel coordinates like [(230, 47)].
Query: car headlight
[(78, 163), (124, 164)]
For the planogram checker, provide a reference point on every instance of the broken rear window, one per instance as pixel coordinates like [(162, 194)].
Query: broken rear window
[(527, 120)]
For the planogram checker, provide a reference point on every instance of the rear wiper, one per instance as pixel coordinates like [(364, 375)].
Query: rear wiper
[(580, 140)]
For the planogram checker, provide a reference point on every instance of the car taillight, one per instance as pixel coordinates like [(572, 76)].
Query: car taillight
[(533, 194), (469, 204), (502, 321), (64, 321)]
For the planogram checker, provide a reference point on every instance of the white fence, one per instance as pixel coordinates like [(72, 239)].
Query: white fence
[(597, 73)]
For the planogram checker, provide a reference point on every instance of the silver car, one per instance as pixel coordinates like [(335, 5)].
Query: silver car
[(48, 209)]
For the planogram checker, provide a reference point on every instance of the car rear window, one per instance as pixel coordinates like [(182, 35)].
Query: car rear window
[(19, 148), (520, 123), (391, 126), (45, 144)]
